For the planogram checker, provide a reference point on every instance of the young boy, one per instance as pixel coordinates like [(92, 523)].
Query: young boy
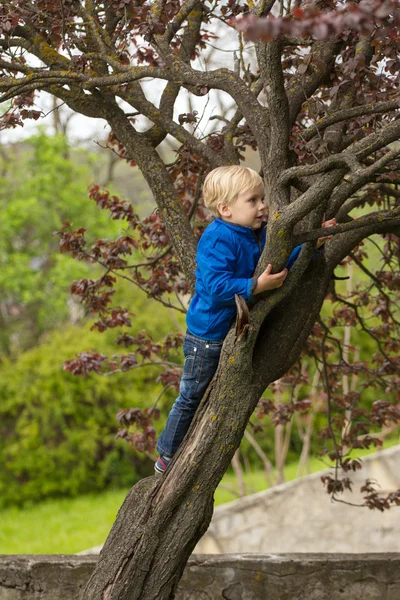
[(227, 255)]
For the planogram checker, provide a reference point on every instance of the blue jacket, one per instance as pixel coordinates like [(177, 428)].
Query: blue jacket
[(227, 256)]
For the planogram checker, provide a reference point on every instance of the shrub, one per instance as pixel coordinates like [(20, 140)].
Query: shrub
[(57, 431)]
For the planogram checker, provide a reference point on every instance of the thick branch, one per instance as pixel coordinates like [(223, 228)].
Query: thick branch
[(278, 110), (16, 66), (310, 199), (346, 160), (346, 95), (357, 179), (352, 156), (94, 31), (41, 76), (40, 48), (346, 114), (342, 244), (375, 141), (187, 8), (271, 300), (343, 214), (264, 8), (139, 101), (15, 42), (227, 81), (320, 190), (389, 217), (303, 305), (188, 45)]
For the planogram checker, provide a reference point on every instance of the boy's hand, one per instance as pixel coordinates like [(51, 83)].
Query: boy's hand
[(325, 224), (266, 281)]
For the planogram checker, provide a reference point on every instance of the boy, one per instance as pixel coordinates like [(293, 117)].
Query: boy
[(227, 255)]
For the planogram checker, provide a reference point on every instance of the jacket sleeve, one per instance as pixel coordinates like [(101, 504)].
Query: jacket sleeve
[(295, 254), (216, 262)]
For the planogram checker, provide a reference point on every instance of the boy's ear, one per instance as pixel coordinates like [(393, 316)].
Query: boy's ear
[(224, 210)]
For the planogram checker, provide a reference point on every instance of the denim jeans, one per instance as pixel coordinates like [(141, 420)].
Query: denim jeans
[(201, 362)]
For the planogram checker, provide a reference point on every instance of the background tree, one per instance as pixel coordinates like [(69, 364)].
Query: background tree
[(319, 102), (41, 188)]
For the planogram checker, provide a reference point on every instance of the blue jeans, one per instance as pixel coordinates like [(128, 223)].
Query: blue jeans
[(201, 362)]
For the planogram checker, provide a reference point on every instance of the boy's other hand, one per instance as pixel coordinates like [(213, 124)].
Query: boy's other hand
[(268, 281), (325, 224)]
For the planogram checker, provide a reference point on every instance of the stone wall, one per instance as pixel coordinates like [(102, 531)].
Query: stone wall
[(234, 577), (300, 517)]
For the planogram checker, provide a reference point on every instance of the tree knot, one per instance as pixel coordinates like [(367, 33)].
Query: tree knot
[(242, 319)]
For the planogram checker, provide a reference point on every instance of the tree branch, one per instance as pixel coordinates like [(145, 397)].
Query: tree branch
[(346, 95), (357, 179), (348, 161), (375, 141), (171, 91), (317, 193), (40, 48), (264, 8), (346, 114), (165, 124), (227, 81), (377, 217), (322, 62), (186, 9), (278, 108), (342, 244)]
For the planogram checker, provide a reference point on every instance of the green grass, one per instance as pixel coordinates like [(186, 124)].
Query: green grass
[(60, 526), (68, 526)]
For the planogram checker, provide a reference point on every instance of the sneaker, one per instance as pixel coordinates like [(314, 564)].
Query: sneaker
[(162, 464)]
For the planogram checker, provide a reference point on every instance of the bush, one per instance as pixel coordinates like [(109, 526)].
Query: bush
[(57, 431)]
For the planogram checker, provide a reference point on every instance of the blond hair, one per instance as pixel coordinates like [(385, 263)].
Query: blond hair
[(224, 184)]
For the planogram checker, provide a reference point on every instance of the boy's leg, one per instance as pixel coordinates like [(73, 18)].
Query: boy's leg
[(201, 362)]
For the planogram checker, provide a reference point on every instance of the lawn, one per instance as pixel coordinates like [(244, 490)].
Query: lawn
[(68, 526)]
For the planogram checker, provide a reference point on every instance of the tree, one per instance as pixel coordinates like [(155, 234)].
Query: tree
[(318, 101), (41, 188)]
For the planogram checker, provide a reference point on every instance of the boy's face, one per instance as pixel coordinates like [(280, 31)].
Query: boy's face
[(248, 210)]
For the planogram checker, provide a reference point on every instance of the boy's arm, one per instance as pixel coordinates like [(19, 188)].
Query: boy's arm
[(294, 256), (295, 253)]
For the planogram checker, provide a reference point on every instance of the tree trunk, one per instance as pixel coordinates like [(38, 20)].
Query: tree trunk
[(163, 517)]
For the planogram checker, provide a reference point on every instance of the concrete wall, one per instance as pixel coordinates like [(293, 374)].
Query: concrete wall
[(241, 577), (300, 517)]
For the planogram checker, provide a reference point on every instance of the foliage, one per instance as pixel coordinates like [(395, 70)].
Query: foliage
[(57, 431), (313, 21), (41, 188)]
